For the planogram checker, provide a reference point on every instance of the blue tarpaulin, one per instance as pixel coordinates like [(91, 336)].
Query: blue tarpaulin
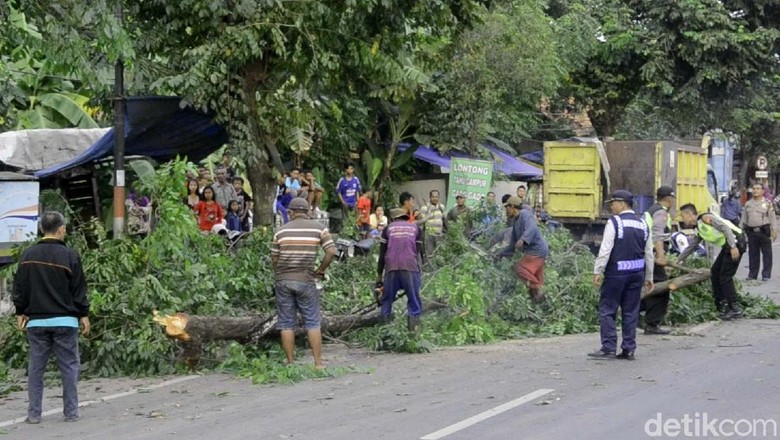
[(534, 156), (156, 127), (504, 162)]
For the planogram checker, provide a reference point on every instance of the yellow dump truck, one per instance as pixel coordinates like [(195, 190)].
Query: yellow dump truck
[(579, 174)]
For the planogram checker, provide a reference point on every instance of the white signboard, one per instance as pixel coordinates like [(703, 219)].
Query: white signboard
[(762, 174), (18, 211)]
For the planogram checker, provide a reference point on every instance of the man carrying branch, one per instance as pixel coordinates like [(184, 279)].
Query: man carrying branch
[(731, 240), (527, 238)]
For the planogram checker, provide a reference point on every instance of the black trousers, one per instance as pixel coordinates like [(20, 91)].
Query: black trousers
[(655, 306), (759, 244), (722, 276)]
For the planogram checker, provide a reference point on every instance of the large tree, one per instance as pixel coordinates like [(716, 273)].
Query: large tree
[(681, 55), (493, 78), (272, 71)]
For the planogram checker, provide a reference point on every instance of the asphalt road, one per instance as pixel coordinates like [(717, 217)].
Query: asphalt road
[(528, 389)]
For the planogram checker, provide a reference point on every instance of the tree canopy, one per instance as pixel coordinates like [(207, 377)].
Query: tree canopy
[(319, 82)]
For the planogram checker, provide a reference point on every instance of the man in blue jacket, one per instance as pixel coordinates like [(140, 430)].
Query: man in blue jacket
[(526, 237), (50, 296)]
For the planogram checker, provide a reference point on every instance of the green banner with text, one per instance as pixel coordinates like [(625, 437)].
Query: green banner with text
[(470, 178)]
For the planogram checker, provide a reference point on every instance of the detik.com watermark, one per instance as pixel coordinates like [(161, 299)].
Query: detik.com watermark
[(701, 425)]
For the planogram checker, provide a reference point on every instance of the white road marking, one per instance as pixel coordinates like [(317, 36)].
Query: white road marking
[(105, 399), (486, 415)]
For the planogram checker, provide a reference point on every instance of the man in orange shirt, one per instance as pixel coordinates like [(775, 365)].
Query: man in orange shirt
[(364, 213)]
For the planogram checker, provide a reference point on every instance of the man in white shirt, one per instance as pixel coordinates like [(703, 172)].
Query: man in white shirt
[(624, 264)]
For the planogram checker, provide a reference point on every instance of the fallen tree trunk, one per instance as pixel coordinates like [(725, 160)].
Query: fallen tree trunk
[(689, 279), (195, 330)]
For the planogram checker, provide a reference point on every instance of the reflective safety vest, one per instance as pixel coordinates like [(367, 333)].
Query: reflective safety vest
[(628, 251), (709, 234), (649, 218)]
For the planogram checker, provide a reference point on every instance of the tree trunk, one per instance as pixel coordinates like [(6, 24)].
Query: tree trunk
[(263, 191), (744, 167), (604, 122), (194, 330), (254, 75), (680, 282), (386, 169)]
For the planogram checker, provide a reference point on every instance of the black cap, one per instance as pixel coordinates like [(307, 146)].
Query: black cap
[(621, 195), (665, 191)]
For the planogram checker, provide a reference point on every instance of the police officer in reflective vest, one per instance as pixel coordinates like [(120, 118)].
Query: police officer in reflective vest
[(624, 264), (713, 229), (659, 221)]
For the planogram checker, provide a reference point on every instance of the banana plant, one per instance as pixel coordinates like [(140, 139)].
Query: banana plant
[(41, 97), (372, 168), (56, 110)]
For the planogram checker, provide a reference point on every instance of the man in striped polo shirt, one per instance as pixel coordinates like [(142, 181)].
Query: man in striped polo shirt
[(293, 254)]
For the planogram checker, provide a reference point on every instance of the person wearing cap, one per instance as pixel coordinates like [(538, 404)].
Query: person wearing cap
[(399, 267), (722, 233), (731, 207), (460, 211), (760, 222), (624, 264), (293, 253), (659, 221), (526, 237)]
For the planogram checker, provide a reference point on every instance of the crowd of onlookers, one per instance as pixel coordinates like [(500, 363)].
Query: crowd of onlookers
[(222, 206)]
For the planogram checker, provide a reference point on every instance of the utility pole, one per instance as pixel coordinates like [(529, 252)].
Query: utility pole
[(119, 140)]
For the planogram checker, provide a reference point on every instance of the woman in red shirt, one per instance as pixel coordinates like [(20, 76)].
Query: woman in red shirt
[(209, 212)]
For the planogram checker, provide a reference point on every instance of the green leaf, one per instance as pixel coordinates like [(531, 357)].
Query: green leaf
[(374, 170), (38, 117), (19, 21), (71, 106), (299, 140), (145, 171), (401, 159)]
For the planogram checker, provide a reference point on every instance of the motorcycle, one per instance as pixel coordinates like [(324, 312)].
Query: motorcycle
[(348, 248)]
